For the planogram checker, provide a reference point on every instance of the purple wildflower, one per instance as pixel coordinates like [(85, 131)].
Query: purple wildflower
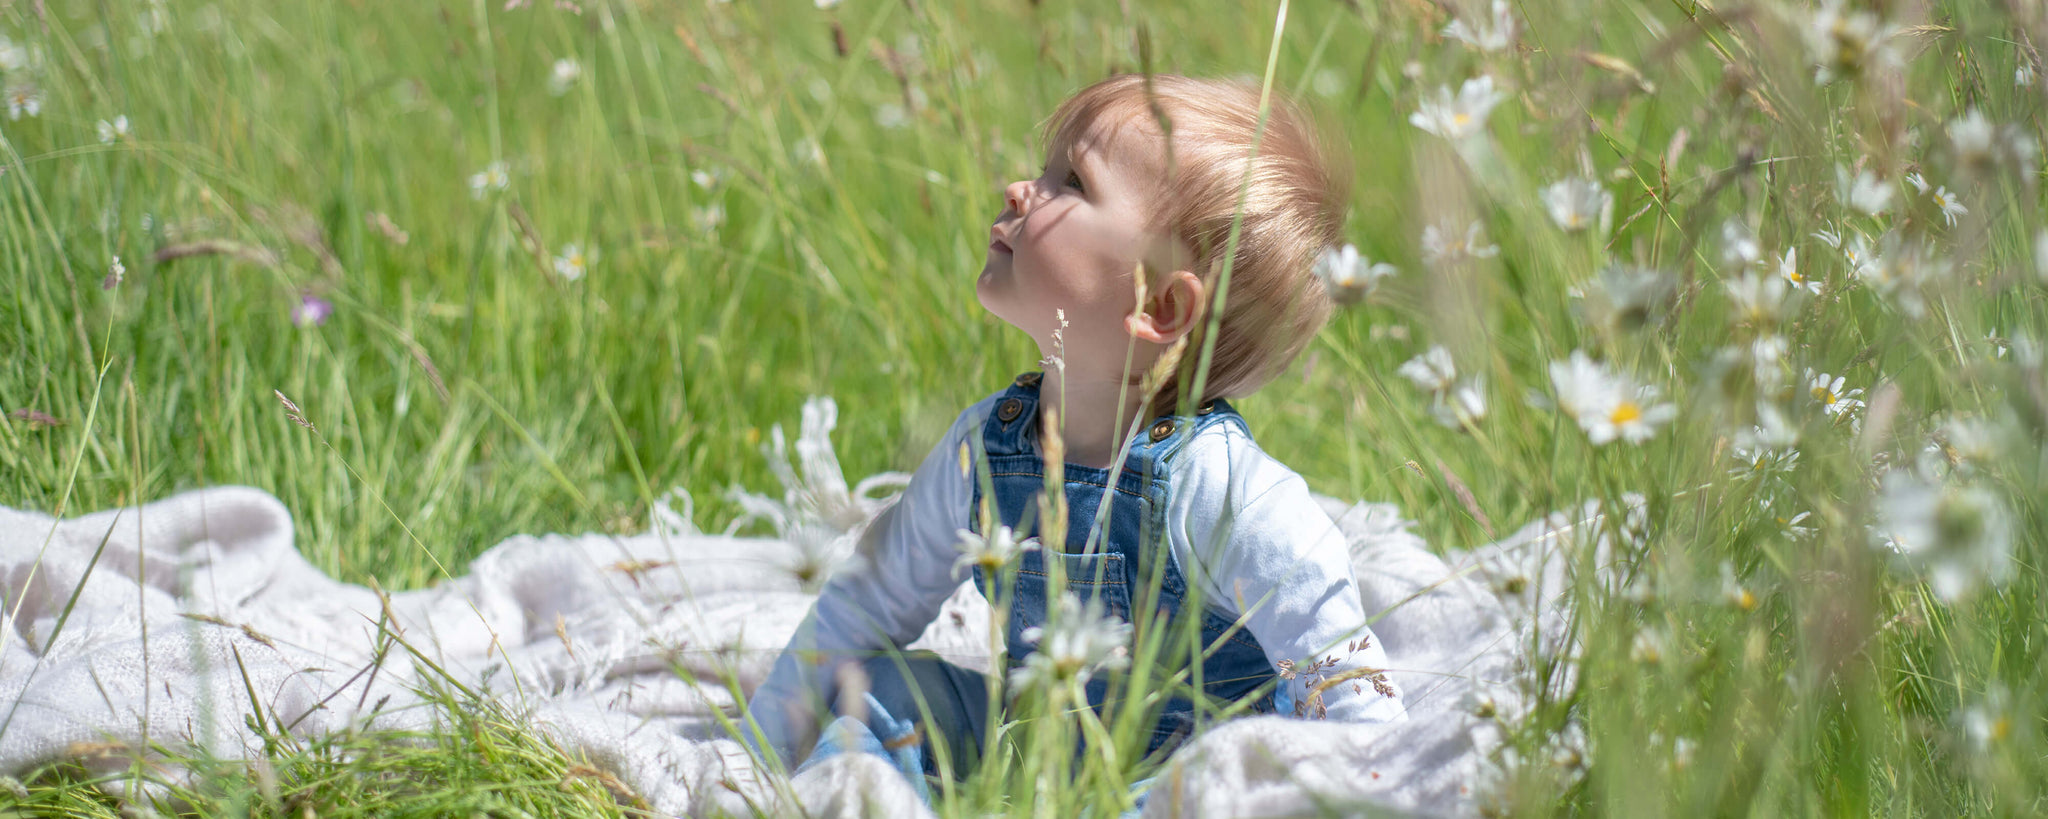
[(312, 310)]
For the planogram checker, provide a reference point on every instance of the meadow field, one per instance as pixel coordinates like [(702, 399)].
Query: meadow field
[(1773, 271)]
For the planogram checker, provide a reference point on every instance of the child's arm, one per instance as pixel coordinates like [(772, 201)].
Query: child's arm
[(902, 574), (1262, 550)]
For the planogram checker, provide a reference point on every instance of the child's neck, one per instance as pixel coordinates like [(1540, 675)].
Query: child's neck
[(1095, 414)]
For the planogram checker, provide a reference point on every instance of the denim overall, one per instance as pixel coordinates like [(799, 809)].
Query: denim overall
[(1129, 553), (1128, 556)]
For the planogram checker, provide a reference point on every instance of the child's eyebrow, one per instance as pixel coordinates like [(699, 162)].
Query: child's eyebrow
[(1079, 160)]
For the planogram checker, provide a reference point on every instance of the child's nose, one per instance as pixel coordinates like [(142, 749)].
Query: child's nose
[(1017, 196)]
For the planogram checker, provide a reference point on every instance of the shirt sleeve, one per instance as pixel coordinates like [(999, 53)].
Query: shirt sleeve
[(885, 597), (1254, 540)]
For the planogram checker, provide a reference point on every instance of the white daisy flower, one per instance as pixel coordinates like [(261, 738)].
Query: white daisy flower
[(1076, 640), (1788, 269), (1648, 647), (23, 100), (1998, 344), (1490, 35), (2023, 76), (1846, 43), (1577, 204), (1607, 405), (1968, 441), (1898, 269), (1732, 591), (1856, 250), (1795, 526), (1441, 248), (573, 262), (1432, 371), (1513, 574), (493, 178), (1569, 752), (1350, 277), (1961, 535), (13, 56), (1739, 247), (1754, 461), (1863, 191), (563, 76), (1630, 416), (1827, 390), (109, 132), (2021, 148), (1463, 406), (1766, 354), (1759, 299), (1627, 296), (1774, 429), (706, 179), (1456, 117), (992, 552), (1974, 139), (1918, 182), (1479, 702), (1951, 205), (709, 217), (825, 4), (1988, 721), (1581, 384)]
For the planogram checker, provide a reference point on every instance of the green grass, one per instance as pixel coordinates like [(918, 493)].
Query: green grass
[(465, 393)]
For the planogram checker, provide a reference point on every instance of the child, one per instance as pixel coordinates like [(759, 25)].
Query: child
[(1143, 178)]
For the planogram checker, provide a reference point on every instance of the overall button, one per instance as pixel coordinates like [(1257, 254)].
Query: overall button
[(1161, 430), (1028, 380), (1009, 410), (1206, 408)]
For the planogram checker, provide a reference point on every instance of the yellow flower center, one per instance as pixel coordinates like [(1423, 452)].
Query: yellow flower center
[(1460, 119), (1824, 395), (1628, 411)]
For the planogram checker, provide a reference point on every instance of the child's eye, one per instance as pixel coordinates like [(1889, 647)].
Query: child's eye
[(1074, 180)]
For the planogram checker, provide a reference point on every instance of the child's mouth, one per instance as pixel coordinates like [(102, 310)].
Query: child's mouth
[(995, 242)]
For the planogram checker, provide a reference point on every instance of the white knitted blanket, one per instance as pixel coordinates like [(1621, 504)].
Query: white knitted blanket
[(155, 624)]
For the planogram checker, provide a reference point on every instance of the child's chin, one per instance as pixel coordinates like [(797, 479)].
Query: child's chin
[(993, 294), (989, 287)]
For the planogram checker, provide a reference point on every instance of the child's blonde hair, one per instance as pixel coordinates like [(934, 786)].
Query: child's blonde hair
[(1293, 210)]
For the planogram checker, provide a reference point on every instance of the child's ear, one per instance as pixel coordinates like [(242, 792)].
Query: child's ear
[(1171, 309)]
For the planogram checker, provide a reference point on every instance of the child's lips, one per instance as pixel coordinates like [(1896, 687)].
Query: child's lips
[(998, 245)]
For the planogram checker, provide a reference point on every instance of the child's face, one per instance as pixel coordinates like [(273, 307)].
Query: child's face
[(1071, 239)]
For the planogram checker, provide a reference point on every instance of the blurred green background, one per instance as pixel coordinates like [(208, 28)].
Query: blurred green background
[(776, 200)]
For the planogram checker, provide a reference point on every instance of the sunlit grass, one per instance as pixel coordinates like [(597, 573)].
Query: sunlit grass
[(765, 218)]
